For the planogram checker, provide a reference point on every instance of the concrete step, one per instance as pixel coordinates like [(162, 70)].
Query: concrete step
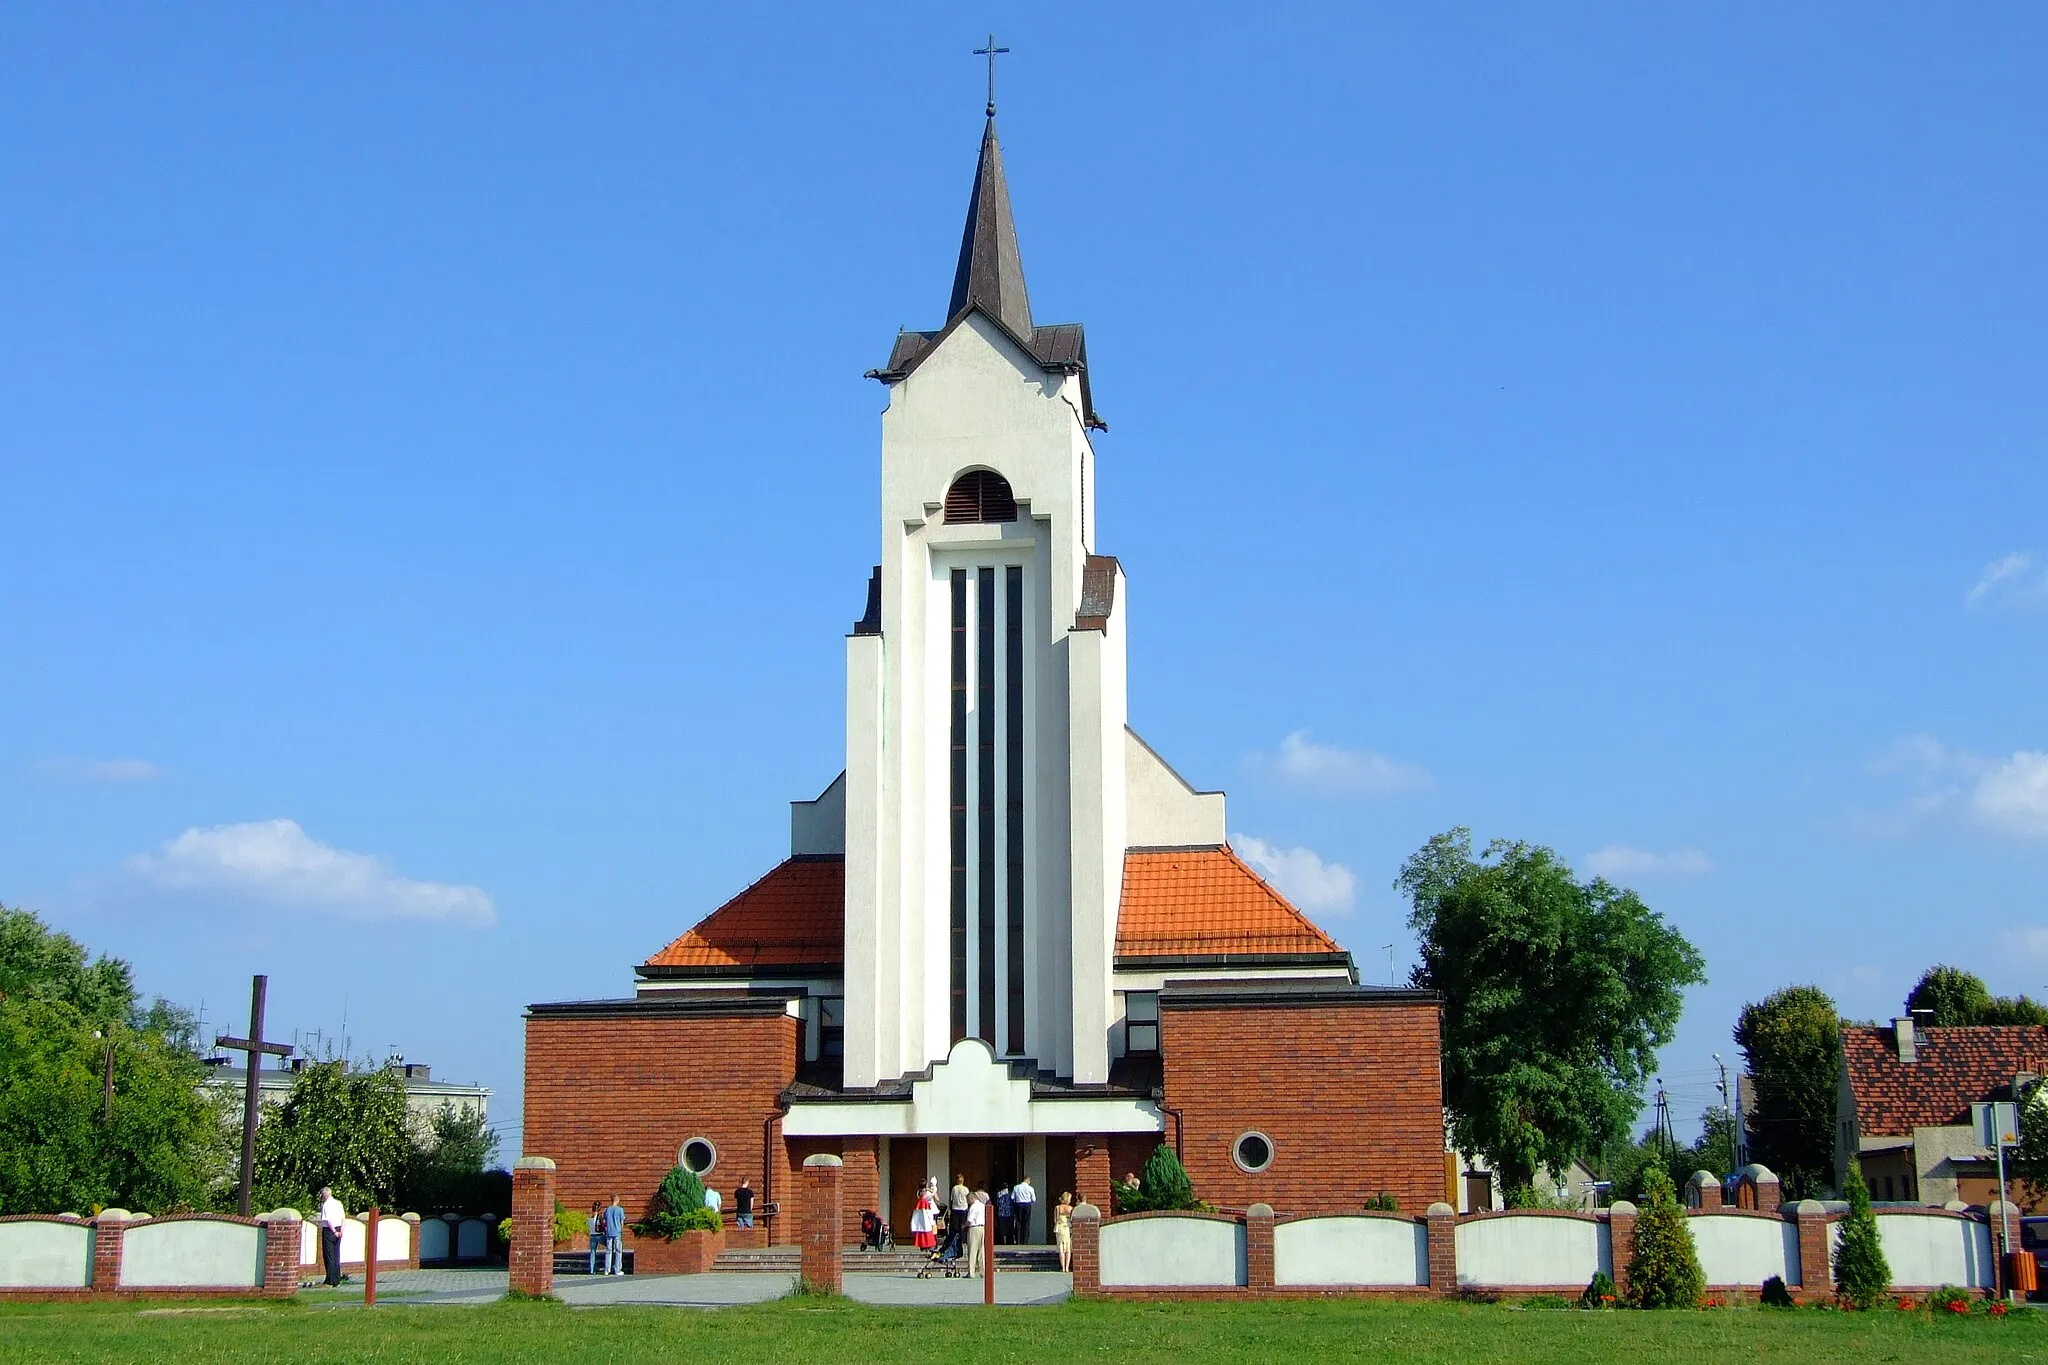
[(788, 1260)]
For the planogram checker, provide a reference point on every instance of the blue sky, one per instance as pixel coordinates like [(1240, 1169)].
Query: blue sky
[(442, 430)]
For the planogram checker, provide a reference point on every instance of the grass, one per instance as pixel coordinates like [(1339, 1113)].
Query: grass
[(832, 1331)]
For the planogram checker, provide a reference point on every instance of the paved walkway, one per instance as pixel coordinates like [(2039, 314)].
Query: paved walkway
[(715, 1289)]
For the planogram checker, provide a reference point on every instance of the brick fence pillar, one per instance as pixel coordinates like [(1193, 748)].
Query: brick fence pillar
[(860, 1181), (1816, 1269), (533, 1226), (1443, 1249), (1087, 1233), (824, 1243), (1621, 1243), (1703, 1192), (412, 1224), (1091, 1170), (280, 1253), (108, 1230), (1258, 1249)]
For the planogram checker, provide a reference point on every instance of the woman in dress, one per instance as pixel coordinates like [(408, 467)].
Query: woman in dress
[(924, 1217), (1063, 1230)]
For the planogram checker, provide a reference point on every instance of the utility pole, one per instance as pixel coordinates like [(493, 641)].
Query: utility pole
[(1728, 1112)]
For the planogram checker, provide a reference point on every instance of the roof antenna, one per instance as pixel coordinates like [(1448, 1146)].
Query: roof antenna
[(991, 52)]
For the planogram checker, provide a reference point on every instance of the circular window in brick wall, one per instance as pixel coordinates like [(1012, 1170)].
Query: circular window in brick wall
[(698, 1156), (1253, 1152)]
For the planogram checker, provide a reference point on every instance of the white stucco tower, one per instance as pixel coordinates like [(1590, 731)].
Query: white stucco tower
[(985, 739)]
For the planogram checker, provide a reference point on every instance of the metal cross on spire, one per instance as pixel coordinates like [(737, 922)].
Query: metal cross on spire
[(991, 52)]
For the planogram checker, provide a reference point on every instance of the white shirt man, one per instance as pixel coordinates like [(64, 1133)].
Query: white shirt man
[(713, 1200), (977, 1233), (332, 1219), (1022, 1200)]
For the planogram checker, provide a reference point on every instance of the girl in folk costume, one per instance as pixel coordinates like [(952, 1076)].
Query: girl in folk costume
[(924, 1217)]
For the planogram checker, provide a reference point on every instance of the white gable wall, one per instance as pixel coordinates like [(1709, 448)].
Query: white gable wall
[(1161, 809)]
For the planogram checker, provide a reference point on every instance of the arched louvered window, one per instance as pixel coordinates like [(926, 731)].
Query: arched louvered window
[(980, 495)]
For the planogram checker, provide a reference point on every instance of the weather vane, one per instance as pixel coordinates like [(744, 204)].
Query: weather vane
[(991, 52)]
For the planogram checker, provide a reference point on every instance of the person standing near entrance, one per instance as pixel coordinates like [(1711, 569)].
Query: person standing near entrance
[(977, 1234), (1023, 1202), (956, 1220), (332, 1219), (614, 1229), (1005, 1226), (596, 1226), (924, 1222), (743, 1205), (1063, 1231)]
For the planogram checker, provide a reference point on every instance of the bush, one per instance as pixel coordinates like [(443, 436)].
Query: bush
[(1163, 1186), (570, 1225), (1665, 1270), (1599, 1292), (1949, 1300), (1775, 1294), (1383, 1203), (680, 1191), (1861, 1273)]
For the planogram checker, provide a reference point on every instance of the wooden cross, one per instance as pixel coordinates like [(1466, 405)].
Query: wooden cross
[(991, 52), (255, 1047)]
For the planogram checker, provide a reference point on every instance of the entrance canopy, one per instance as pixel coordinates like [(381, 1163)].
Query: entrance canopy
[(972, 1094)]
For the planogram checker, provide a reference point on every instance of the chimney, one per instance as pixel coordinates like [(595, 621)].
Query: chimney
[(1903, 1030)]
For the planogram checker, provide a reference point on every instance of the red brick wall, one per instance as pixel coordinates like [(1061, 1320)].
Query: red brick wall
[(613, 1100), (1351, 1096)]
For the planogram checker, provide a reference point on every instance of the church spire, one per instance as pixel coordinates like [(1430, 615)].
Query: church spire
[(991, 272)]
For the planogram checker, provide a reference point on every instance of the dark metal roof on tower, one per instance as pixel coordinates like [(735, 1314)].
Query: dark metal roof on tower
[(990, 280), (991, 271)]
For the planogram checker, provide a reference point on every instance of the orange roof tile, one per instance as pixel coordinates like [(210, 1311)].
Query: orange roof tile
[(794, 916), (1205, 902)]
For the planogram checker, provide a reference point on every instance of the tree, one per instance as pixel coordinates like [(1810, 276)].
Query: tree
[(1163, 1185), (1958, 999), (448, 1169), (162, 1147), (1861, 1273), (1557, 995), (1792, 1041), (2028, 1162), (1627, 1165), (1665, 1270), (347, 1129)]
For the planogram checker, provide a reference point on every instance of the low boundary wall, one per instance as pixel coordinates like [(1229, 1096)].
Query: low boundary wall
[(118, 1254), (1518, 1253)]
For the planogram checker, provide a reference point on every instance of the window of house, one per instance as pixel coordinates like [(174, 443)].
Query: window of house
[(1253, 1152), (698, 1156), (832, 1026), (1141, 1021)]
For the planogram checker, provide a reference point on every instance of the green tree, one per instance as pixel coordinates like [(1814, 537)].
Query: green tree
[(162, 1146), (1627, 1165), (1557, 995), (1162, 1185), (1792, 1042), (347, 1129), (1958, 999), (1861, 1273), (1665, 1270), (2028, 1162), (448, 1169)]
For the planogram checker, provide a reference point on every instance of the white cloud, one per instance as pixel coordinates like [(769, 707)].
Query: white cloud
[(277, 863), (1620, 860), (2030, 942), (1325, 767), (2013, 796), (104, 769), (2015, 581), (1301, 875)]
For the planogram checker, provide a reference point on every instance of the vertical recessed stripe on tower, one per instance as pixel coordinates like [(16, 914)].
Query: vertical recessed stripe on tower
[(958, 812), (1013, 769), (985, 793)]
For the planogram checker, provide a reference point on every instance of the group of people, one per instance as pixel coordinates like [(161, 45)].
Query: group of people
[(607, 1222), (967, 1218)]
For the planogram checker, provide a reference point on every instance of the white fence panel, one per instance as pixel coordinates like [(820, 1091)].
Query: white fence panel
[(1532, 1250), (1738, 1250), (1185, 1252), (45, 1255), (1351, 1250), (192, 1253), (472, 1239), (435, 1244), (1923, 1250)]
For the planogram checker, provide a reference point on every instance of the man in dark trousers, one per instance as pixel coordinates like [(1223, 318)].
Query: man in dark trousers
[(743, 1205), (332, 1218)]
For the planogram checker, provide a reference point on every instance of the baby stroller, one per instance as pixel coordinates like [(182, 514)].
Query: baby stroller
[(875, 1234), (944, 1260)]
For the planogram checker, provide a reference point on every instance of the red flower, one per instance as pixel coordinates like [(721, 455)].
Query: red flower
[(1958, 1305), (1997, 1310)]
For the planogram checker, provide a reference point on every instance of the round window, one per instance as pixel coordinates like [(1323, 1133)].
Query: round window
[(699, 1156), (1253, 1152)]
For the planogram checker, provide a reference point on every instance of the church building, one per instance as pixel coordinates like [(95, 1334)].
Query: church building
[(1009, 938)]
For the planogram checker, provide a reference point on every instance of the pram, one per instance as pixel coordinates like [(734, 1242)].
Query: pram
[(875, 1233), (945, 1256)]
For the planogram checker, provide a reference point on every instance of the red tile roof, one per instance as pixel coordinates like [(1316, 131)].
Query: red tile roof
[(794, 916), (1952, 1069), (1205, 902)]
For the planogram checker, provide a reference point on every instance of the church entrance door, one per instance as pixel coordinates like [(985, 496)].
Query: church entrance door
[(988, 1163)]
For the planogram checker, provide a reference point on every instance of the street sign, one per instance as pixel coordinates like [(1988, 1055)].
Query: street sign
[(1996, 1125)]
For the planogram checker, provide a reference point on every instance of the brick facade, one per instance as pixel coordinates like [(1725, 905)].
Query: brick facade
[(532, 1257), (1350, 1095), (824, 1232)]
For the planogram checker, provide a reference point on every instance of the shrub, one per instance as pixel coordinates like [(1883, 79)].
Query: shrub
[(1383, 1203), (1949, 1299), (1861, 1274), (678, 1208), (1163, 1186), (1665, 1270), (680, 1191), (569, 1224), (1775, 1294), (1599, 1292)]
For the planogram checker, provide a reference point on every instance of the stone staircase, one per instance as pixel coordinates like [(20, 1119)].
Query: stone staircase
[(787, 1260)]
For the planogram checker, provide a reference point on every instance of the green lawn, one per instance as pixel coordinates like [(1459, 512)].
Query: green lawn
[(829, 1331)]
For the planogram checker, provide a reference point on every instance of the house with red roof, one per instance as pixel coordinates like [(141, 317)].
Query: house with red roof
[(1903, 1106), (1009, 939)]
